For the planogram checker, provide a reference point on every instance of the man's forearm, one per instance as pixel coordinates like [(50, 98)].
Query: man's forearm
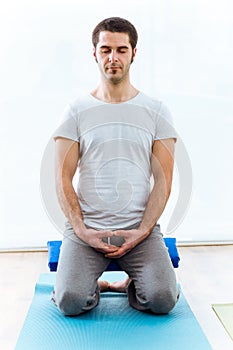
[(156, 204), (66, 162), (162, 163), (69, 204)]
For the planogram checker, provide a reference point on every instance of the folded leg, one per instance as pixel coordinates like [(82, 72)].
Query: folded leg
[(79, 268), (153, 285)]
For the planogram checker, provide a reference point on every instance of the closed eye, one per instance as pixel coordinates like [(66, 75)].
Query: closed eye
[(107, 49), (122, 50)]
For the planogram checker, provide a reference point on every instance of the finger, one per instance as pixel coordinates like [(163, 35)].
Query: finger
[(117, 254), (106, 250), (119, 232), (107, 233), (107, 247), (110, 247), (125, 233)]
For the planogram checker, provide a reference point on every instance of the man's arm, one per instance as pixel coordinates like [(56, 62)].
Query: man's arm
[(162, 163), (66, 162)]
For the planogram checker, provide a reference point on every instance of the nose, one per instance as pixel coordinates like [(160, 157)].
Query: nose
[(113, 56)]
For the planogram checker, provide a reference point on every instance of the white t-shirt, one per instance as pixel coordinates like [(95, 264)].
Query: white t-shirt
[(115, 153)]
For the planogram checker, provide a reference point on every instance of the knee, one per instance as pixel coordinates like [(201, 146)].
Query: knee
[(163, 301), (72, 304), (68, 303)]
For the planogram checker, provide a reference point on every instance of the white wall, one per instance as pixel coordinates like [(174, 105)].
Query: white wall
[(184, 57)]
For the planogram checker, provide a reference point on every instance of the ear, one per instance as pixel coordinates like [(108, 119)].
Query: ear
[(94, 54), (133, 54)]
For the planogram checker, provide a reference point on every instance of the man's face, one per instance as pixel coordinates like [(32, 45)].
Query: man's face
[(114, 56)]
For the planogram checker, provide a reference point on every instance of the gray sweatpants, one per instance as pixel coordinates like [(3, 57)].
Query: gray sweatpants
[(153, 287)]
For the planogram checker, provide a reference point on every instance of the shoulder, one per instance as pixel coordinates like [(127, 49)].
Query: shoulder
[(157, 107), (146, 101), (82, 104), (70, 120)]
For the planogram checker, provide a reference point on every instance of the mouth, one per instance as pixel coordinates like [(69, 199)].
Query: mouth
[(113, 67)]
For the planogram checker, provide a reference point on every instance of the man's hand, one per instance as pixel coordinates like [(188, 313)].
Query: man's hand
[(132, 238), (94, 238)]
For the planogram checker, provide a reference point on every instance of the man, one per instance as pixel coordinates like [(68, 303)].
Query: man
[(117, 137)]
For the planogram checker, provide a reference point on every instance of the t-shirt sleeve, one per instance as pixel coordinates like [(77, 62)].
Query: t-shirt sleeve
[(68, 127), (164, 124)]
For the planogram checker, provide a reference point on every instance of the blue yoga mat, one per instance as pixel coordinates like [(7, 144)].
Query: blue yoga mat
[(112, 325)]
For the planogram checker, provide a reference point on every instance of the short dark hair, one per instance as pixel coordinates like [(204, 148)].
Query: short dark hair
[(115, 25)]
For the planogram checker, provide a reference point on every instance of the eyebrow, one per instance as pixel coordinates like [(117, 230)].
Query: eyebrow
[(109, 47)]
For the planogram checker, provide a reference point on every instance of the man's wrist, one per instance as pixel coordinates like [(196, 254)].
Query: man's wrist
[(145, 229), (80, 228)]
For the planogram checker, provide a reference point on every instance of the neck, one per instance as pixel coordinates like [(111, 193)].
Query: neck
[(114, 93)]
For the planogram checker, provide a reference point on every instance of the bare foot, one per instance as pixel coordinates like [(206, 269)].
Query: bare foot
[(119, 286), (103, 286)]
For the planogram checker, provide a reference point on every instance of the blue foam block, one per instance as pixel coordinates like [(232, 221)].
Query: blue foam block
[(113, 324), (54, 251)]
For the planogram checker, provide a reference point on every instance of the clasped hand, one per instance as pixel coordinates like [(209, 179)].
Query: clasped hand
[(131, 238)]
